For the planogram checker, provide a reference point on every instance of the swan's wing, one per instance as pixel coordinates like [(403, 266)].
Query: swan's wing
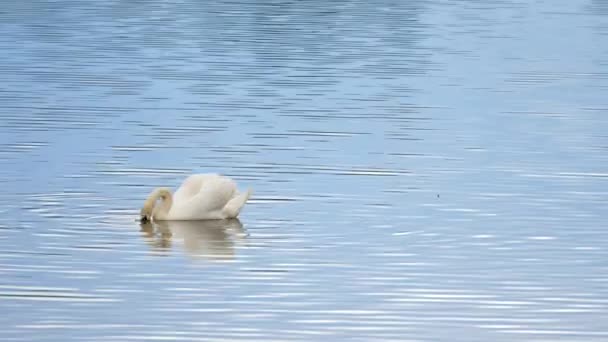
[(191, 186), (214, 192)]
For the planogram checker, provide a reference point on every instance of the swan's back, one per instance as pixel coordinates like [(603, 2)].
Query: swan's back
[(192, 185), (203, 196)]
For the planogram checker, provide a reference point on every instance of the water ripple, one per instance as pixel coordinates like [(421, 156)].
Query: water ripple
[(422, 170)]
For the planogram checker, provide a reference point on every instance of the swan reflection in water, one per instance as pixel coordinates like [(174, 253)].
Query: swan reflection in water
[(212, 239)]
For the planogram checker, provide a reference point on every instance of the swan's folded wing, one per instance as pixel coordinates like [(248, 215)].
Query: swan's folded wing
[(191, 186), (212, 196)]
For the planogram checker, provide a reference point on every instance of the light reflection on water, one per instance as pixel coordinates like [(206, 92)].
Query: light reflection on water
[(214, 239), (423, 170)]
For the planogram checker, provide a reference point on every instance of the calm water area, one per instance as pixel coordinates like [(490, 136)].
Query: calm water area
[(425, 170)]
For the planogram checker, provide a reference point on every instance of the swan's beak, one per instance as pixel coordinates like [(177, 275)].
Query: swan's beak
[(144, 219)]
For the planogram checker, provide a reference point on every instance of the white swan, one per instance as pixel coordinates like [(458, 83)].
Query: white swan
[(200, 197)]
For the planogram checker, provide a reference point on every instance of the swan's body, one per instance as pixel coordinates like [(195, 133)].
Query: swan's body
[(200, 197)]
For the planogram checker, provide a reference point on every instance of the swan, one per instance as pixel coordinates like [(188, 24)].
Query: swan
[(200, 197)]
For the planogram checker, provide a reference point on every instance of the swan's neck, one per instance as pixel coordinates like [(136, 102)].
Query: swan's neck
[(160, 210)]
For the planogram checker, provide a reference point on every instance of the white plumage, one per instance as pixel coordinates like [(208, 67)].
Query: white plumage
[(200, 197)]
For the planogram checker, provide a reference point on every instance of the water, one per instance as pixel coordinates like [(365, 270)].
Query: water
[(423, 170)]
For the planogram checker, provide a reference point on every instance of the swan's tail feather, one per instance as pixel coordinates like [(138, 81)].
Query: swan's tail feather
[(234, 206)]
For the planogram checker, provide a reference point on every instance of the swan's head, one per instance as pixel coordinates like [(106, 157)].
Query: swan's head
[(147, 211), (145, 215)]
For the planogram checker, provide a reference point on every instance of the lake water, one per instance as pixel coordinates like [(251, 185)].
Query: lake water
[(423, 170)]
